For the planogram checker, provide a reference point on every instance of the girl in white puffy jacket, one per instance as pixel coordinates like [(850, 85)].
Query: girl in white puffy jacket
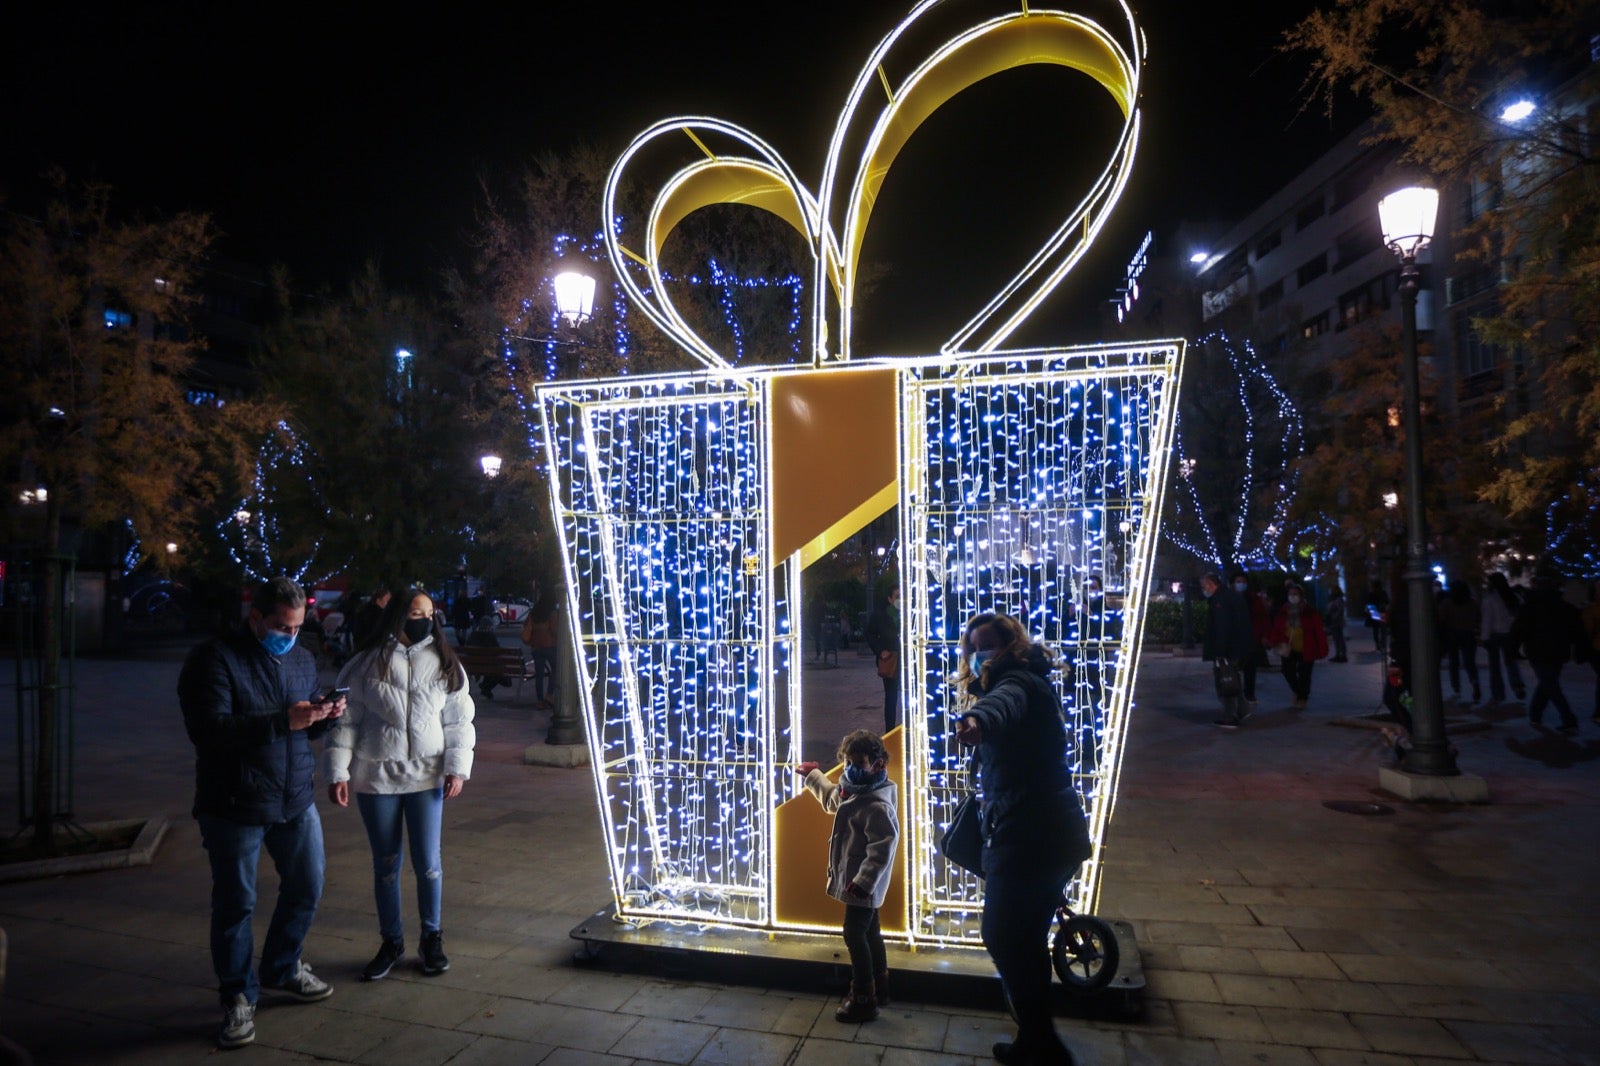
[(404, 746)]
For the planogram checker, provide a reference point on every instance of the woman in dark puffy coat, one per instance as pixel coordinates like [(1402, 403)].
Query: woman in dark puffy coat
[(1035, 835)]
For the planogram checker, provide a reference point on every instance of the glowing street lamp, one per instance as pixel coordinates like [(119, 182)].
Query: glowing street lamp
[(1516, 111), (574, 297), (490, 465), (1407, 217)]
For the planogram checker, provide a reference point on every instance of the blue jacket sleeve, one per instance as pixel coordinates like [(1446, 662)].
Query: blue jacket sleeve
[(206, 694)]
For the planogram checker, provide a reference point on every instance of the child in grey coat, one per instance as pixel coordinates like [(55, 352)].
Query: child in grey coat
[(860, 860)]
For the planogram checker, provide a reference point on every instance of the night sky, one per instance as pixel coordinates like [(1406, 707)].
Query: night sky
[(322, 136)]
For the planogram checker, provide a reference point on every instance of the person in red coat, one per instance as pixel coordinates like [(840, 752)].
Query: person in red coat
[(1299, 637)]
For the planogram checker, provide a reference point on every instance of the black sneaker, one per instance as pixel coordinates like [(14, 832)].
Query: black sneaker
[(1222, 723), (434, 960), (1570, 729), (389, 953)]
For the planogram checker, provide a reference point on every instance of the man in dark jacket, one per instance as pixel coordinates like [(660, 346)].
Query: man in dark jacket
[(1229, 639), (1549, 630), (246, 699)]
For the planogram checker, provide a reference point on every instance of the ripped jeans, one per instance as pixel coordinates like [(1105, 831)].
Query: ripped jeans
[(382, 815)]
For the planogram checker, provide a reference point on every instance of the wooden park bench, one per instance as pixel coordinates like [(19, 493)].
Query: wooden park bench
[(505, 663)]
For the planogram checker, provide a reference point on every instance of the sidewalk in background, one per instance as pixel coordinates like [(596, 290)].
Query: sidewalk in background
[(1274, 929)]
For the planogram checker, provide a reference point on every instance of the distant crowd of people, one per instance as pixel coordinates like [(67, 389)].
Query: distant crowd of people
[(1537, 626)]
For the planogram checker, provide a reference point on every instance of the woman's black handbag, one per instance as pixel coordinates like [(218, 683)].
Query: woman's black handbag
[(962, 842)]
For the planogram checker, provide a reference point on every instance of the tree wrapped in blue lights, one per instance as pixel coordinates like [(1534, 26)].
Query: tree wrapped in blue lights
[(1238, 437), (266, 534)]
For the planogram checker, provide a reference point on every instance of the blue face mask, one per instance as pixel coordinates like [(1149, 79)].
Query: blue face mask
[(863, 776), (978, 659), (277, 643)]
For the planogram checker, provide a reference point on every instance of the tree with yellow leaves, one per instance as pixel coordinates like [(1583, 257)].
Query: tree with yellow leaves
[(1498, 100)]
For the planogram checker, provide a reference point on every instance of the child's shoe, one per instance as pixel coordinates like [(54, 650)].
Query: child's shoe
[(859, 1005)]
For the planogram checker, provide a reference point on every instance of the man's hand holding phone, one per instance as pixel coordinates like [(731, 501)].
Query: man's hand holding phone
[(305, 714)]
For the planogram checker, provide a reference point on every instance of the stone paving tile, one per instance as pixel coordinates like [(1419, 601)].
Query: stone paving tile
[(1345, 996), (815, 1051), (898, 1027), (593, 990), (1510, 1043), (1311, 1028), (1218, 960), (498, 1051), (1426, 1001), (1219, 1021), (1234, 1052), (741, 1047), (1296, 964), (745, 1009), (1150, 1049), (659, 999), (1412, 970), (897, 1056), (423, 1001), (1408, 1036), (1325, 940), (663, 1040), (1206, 935), (1258, 991), (974, 1035), (546, 1023), (1348, 1057), (801, 1016), (1101, 1047), (327, 1034), (566, 1056), (417, 1045), (1182, 984)]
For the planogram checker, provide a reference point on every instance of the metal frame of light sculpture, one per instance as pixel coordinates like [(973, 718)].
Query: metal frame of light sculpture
[(687, 623), (668, 493)]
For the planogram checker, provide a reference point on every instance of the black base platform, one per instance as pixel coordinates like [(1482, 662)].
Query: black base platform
[(803, 961)]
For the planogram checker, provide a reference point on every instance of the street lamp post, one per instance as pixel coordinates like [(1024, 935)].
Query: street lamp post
[(575, 305), (1407, 216)]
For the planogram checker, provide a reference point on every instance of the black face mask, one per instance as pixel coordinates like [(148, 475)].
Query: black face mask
[(417, 629)]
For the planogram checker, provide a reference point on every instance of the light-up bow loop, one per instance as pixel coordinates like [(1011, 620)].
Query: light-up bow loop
[(991, 45)]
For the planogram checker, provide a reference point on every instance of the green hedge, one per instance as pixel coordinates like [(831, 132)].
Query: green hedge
[(1163, 622)]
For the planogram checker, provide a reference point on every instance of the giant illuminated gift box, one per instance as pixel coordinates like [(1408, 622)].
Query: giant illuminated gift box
[(689, 505)]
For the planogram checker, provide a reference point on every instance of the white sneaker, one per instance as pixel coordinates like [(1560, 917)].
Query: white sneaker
[(304, 985), (238, 1023)]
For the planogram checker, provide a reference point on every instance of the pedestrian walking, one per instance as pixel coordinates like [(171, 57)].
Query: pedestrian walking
[(1335, 619), (1260, 629), (1035, 836), (1299, 638), (1377, 608), (404, 747), (248, 709), (866, 830), (1460, 619), (1499, 610), (883, 637), (1228, 641), (1591, 626), (1549, 632), (539, 634)]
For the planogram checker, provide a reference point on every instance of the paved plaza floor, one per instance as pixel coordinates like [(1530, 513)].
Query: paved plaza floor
[(1273, 928)]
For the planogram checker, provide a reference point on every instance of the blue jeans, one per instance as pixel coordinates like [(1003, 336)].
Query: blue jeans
[(235, 852), (421, 812)]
